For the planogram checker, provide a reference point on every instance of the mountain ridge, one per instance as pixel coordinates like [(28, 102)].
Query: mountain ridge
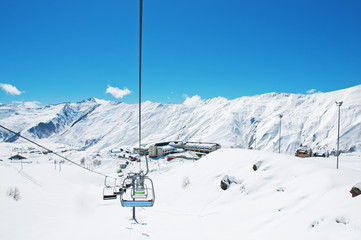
[(250, 121)]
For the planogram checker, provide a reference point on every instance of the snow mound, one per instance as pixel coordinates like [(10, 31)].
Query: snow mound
[(286, 198)]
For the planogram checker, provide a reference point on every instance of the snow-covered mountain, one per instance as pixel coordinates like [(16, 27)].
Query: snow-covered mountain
[(243, 122)]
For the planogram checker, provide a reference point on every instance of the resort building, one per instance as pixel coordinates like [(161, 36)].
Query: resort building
[(165, 148)]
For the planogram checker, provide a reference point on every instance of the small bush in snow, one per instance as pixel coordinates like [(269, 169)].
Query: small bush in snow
[(342, 220), (186, 182), (14, 193)]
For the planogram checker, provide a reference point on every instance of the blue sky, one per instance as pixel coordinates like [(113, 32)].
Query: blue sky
[(67, 51)]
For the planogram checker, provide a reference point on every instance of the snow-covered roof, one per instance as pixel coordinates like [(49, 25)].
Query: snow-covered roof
[(200, 145), (166, 148), (17, 156), (303, 149), (187, 154)]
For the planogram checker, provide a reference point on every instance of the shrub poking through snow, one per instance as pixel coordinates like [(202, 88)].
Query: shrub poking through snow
[(186, 182), (342, 220), (356, 190), (14, 193)]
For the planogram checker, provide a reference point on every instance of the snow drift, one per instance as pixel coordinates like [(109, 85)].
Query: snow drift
[(285, 198)]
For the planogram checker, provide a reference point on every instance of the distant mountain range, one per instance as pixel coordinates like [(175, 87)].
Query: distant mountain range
[(310, 120)]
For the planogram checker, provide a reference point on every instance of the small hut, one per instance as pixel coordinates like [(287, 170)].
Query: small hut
[(17, 157)]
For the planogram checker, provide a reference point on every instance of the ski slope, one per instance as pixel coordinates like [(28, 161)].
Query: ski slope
[(286, 198)]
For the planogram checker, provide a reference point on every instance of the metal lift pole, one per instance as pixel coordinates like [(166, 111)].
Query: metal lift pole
[(338, 104), (133, 185), (279, 138)]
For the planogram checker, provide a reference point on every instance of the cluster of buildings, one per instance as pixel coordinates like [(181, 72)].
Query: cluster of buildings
[(174, 147), (304, 151)]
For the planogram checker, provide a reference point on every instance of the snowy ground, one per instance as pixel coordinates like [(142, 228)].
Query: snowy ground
[(286, 198)]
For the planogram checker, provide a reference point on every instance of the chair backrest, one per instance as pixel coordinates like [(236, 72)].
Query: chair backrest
[(109, 193)]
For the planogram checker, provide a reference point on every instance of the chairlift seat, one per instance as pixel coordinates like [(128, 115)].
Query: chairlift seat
[(140, 192), (138, 203), (140, 196)]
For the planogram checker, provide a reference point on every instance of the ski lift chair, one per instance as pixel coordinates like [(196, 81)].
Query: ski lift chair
[(109, 192), (141, 194)]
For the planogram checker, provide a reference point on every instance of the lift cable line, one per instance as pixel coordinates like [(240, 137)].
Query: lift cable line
[(50, 151), (140, 76), (137, 189)]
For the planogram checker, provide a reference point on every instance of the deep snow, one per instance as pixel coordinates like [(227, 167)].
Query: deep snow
[(286, 198)]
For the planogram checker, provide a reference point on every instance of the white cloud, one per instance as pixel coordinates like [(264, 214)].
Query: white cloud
[(312, 91), (116, 92), (10, 89), (192, 101), (34, 104)]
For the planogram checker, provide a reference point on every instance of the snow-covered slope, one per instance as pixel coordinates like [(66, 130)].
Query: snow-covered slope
[(247, 121), (286, 198), (43, 122)]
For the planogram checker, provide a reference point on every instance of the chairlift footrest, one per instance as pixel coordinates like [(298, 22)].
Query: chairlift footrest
[(137, 203), (109, 197)]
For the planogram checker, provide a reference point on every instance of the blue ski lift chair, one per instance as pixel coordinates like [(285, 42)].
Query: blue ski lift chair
[(140, 194)]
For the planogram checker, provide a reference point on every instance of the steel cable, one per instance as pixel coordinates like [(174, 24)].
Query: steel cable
[(50, 151)]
